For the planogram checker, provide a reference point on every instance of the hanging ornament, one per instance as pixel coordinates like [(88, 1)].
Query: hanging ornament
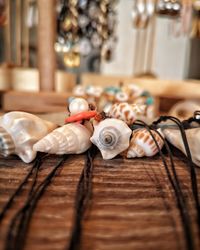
[(87, 24), (83, 21), (72, 59), (93, 11), (169, 7), (96, 40), (82, 4), (67, 23), (85, 46)]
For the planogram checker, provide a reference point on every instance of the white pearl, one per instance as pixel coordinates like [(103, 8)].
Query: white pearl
[(78, 105)]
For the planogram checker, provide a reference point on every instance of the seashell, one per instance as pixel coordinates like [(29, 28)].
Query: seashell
[(193, 138), (19, 131), (78, 105), (127, 112), (184, 109), (72, 138), (142, 144), (111, 136), (122, 96), (95, 91), (133, 90), (79, 90)]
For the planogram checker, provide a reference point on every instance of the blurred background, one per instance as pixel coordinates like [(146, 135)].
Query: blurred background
[(124, 37), (120, 38)]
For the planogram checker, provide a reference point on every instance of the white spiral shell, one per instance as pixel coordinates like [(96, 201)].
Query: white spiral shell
[(127, 112), (142, 144), (19, 131), (72, 138), (111, 136)]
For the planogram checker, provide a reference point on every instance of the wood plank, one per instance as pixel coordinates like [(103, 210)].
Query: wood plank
[(27, 79), (46, 34), (133, 206), (41, 102)]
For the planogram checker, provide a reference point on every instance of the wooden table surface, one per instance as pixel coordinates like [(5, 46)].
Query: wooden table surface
[(133, 205)]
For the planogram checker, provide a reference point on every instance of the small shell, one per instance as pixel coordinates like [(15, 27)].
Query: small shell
[(193, 138), (95, 91), (121, 96), (127, 112), (142, 144), (184, 109), (111, 136), (79, 90), (19, 131), (72, 138), (133, 90)]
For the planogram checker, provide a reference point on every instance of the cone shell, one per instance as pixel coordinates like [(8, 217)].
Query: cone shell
[(19, 131), (72, 138), (193, 138), (127, 112), (142, 144), (112, 137)]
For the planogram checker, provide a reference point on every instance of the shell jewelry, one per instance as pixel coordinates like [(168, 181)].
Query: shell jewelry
[(127, 112), (112, 137), (19, 131), (72, 138), (81, 116), (78, 105), (193, 138), (142, 144)]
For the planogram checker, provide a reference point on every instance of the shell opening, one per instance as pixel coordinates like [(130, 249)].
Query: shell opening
[(109, 137)]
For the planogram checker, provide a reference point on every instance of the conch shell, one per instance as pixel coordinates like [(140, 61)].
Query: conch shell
[(72, 138), (19, 131), (142, 144), (127, 112), (193, 138), (111, 136)]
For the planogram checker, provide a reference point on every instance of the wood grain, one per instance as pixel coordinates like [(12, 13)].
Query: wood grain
[(41, 102), (133, 205)]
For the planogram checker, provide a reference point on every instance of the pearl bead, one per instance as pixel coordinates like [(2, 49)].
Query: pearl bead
[(78, 105)]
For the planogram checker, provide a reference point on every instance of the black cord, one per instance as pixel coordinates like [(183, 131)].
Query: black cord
[(19, 189), (13, 227), (19, 225), (189, 160), (181, 203), (83, 196)]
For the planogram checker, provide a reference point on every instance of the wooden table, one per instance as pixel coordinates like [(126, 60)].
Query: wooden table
[(133, 204)]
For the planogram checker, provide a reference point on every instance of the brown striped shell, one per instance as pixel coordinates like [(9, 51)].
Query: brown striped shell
[(127, 112), (142, 144)]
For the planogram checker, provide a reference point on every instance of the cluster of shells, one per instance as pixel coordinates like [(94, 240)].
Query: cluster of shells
[(25, 134), (104, 98)]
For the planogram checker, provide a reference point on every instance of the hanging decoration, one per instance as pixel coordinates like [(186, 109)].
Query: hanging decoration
[(83, 26), (142, 12), (169, 7), (184, 15)]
